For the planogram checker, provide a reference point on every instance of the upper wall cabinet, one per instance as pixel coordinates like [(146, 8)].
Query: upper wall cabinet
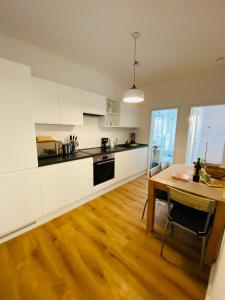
[(94, 104), (17, 131), (70, 105), (129, 115), (46, 106), (120, 114), (56, 103)]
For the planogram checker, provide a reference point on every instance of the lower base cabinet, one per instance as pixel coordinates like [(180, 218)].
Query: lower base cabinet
[(131, 162), (65, 183), (29, 195), (20, 202)]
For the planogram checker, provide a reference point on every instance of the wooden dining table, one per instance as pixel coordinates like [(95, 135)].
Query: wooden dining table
[(164, 179)]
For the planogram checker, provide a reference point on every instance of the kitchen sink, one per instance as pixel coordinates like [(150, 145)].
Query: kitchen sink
[(130, 145)]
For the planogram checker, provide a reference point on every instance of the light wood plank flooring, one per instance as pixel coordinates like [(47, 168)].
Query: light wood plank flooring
[(102, 251)]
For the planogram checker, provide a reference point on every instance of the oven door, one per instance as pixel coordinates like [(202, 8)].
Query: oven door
[(104, 170)]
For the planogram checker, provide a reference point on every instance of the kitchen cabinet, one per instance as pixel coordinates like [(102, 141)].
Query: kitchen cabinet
[(17, 130), (121, 114), (65, 183), (46, 103), (130, 162), (20, 202), (129, 115), (94, 104), (56, 103), (70, 105)]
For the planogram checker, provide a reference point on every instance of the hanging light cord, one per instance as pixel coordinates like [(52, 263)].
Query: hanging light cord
[(134, 59)]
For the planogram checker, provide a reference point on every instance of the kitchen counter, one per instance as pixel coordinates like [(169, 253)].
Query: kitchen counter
[(119, 148), (85, 153), (45, 161)]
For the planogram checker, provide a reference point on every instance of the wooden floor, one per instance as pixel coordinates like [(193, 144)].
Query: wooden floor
[(102, 251)]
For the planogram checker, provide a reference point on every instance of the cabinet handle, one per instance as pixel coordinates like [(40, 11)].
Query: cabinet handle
[(105, 162)]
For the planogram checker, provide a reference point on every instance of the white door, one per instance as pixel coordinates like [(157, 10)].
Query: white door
[(70, 105), (94, 104), (17, 131), (46, 102), (20, 202)]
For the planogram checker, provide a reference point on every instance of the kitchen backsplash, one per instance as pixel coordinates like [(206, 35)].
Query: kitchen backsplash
[(89, 134)]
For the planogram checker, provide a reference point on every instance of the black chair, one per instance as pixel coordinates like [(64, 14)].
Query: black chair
[(191, 213), (159, 194)]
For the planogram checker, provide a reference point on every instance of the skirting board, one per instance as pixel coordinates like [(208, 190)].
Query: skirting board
[(68, 208)]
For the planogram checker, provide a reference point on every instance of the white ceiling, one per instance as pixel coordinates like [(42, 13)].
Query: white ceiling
[(177, 37)]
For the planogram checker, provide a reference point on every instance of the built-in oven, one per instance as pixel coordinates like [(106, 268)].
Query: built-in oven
[(104, 168)]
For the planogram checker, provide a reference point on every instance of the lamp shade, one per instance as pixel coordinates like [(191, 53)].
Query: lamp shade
[(133, 95)]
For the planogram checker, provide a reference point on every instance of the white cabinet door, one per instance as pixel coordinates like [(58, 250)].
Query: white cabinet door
[(130, 162), (20, 202), (129, 115), (94, 104), (17, 130), (66, 183), (70, 105), (46, 103)]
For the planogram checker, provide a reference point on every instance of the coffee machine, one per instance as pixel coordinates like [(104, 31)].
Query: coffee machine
[(104, 142), (132, 138)]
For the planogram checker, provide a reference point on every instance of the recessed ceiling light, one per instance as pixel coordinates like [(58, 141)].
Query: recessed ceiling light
[(219, 59)]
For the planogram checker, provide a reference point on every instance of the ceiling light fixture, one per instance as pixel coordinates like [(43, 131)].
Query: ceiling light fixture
[(134, 95)]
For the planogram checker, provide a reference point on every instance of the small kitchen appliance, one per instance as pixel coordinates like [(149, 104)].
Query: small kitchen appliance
[(49, 148), (113, 142), (104, 142), (132, 138)]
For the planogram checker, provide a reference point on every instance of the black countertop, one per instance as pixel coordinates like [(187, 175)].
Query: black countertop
[(119, 148), (45, 161), (85, 153)]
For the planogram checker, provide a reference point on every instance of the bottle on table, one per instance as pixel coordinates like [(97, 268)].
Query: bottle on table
[(197, 169)]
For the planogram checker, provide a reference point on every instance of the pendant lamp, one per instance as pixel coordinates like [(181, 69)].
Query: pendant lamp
[(134, 95)]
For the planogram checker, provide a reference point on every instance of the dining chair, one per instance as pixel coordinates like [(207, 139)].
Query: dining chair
[(159, 194), (163, 165), (191, 213)]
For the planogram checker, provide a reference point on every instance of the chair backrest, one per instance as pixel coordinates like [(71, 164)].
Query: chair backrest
[(163, 165), (191, 200), (154, 171)]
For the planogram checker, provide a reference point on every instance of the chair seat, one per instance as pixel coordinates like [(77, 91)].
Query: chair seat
[(190, 218), (161, 195)]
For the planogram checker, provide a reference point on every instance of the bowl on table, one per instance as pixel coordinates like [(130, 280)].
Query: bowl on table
[(215, 171)]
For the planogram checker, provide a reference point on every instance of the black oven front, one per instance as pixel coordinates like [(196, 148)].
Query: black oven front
[(104, 168)]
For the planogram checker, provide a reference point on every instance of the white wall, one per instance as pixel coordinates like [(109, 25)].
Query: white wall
[(216, 286), (195, 90), (89, 134)]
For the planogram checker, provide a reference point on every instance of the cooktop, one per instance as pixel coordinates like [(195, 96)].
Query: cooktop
[(99, 150)]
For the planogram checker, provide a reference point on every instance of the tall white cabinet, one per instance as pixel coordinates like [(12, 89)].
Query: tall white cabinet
[(20, 202), (17, 131)]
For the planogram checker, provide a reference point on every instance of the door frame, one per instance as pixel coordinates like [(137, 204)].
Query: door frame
[(192, 107), (150, 129)]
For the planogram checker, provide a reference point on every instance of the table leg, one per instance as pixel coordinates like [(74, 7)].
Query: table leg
[(151, 206), (216, 234)]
